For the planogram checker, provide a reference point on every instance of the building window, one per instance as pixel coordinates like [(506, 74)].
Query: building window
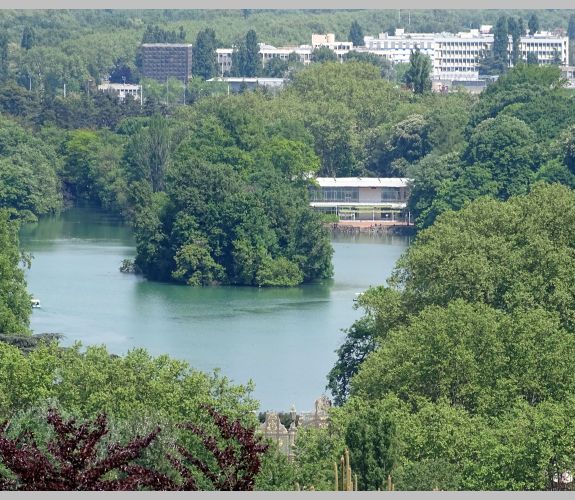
[(335, 194), (390, 194)]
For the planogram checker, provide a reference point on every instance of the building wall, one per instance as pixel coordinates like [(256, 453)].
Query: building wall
[(370, 195), (161, 61), (453, 56)]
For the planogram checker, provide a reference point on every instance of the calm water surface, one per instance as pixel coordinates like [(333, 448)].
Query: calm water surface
[(283, 339)]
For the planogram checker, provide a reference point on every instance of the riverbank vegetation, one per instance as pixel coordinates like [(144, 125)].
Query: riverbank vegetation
[(463, 360), (459, 375)]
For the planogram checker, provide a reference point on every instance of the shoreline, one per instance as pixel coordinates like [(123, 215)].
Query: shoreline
[(372, 227)]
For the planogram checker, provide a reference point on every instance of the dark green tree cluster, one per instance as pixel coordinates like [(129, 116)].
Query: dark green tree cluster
[(455, 373), (417, 77), (28, 172), (533, 24), (515, 136), (15, 305), (204, 59), (245, 57), (496, 61), (223, 200), (155, 34), (28, 38), (356, 34), (323, 54)]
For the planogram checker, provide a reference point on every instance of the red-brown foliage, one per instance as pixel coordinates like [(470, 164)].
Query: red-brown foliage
[(237, 463), (73, 461)]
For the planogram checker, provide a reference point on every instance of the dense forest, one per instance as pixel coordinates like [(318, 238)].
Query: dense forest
[(459, 374)]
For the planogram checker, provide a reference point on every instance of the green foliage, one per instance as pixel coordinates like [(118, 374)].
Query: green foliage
[(278, 272), (509, 256), (155, 34), (277, 472), (555, 171), (356, 34), (276, 68), (516, 31), (359, 342), (323, 54), (251, 60), (28, 166), (501, 256), (233, 208), (504, 146), (437, 474), (204, 58), (569, 149), (370, 436), (387, 69), (417, 76), (28, 38), (473, 357), (245, 57), (315, 453), (85, 382), (501, 43), (571, 27), (15, 306), (464, 385), (4, 62), (406, 143), (195, 266), (533, 24)]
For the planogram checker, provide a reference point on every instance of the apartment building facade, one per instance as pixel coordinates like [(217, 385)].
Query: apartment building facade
[(454, 56), (161, 61), (304, 52)]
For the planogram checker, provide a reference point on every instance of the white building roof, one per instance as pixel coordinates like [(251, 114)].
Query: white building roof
[(246, 79), (362, 181), (119, 86)]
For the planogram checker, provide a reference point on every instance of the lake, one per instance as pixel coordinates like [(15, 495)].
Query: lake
[(282, 339)]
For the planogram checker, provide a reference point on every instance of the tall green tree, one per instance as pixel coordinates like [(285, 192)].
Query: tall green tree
[(4, 68), (571, 35), (571, 27), (252, 63), (533, 24), (204, 59), (501, 43), (238, 59), (147, 155), (417, 76), (356, 34), (514, 29), (28, 38)]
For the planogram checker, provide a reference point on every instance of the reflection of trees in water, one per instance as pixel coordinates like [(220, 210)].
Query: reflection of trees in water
[(87, 223)]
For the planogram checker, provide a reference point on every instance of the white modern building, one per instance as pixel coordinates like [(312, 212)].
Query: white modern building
[(267, 52), (121, 90), (235, 84), (454, 56), (362, 198), (397, 48), (568, 72)]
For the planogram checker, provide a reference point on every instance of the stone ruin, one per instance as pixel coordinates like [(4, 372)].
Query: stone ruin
[(273, 429)]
